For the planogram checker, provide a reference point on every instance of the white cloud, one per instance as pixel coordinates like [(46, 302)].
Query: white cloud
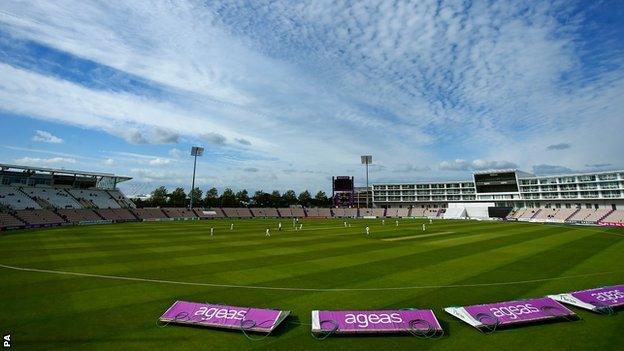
[(46, 137), (159, 161), (35, 161), (109, 162), (475, 165), (176, 153)]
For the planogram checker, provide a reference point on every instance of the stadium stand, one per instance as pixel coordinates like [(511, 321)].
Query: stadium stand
[(149, 213), (54, 197), (285, 212), (417, 212), (616, 216), (324, 212), (545, 214), (403, 212), (206, 213), (313, 212), (121, 199), (528, 214), (563, 214), (175, 212), (116, 214), (298, 212), (39, 217), (379, 212), (598, 215), (237, 212), (14, 198), (79, 215), (7, 221), (95, 198), (581, 215), (366, 212), (339, 212)]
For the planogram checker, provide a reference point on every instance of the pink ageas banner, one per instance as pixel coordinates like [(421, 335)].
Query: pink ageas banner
[(224, 316), (594, 299), (382, 321), (511, 312)]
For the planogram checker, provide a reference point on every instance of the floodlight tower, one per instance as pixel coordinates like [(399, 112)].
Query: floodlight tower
[(195, 151), (367, 160)]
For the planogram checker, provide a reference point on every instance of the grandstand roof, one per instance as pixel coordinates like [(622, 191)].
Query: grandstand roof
[(55, 171)]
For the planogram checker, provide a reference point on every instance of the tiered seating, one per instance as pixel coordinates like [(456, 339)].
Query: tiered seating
[(351, 212), (271, 212), (379, 212), (432, 213), (298, 212), (515, 214), (237, 212), (13, 197), (7, 221), (149, 213), (366, 212), (546, 214), (339, 212), (529, 213), (418, 212), (581, 215), (258, 212), (116, 214), (179, 213), (403, 212), (39, 217), (616, 216), (200, 213), (121, 199), (563, 214), (77, 216), (392, 212), (313, 212), (56, 197), (324, 212), (99, 198), (598, 215), (285, 212)]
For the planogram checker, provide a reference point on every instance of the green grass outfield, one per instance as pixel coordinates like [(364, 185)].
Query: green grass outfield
[(68, 312)]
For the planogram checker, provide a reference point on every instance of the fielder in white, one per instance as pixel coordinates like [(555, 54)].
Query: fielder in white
[(231, 226), (211, 231), (424, 227), (267, 233), (279, 226), (367, 230)]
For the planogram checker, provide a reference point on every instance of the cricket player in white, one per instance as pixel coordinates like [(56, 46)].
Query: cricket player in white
[(300, 226), (231, 226), (279, 226), (396, 223), (345, 224), (383, 222), (430, 220), (424, 227), (267, 233), (367, 230), (211, 231)]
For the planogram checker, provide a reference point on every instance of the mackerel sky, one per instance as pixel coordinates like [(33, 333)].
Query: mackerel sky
[(286, 94)]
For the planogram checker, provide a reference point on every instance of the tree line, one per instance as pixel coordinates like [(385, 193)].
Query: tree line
[(228, 198)]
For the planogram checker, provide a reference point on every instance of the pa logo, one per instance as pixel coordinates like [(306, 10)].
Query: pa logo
[(6, 341)]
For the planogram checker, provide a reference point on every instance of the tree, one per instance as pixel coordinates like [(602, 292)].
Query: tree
[(261, 199), (228, 198), (276, 199), (197, 197), (321, 199), (177, 198), (242, 197), (305, 199), (212, 198), (159, 196), (289, 198)]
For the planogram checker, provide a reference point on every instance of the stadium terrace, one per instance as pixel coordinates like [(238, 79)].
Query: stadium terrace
[(35, 197)]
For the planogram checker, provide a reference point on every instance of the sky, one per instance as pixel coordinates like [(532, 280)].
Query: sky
[(285, 95)]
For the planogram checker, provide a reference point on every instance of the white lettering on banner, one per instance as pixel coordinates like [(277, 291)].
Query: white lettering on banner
[(513, 311), (224, 313), (613, 295), (363, 320)]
